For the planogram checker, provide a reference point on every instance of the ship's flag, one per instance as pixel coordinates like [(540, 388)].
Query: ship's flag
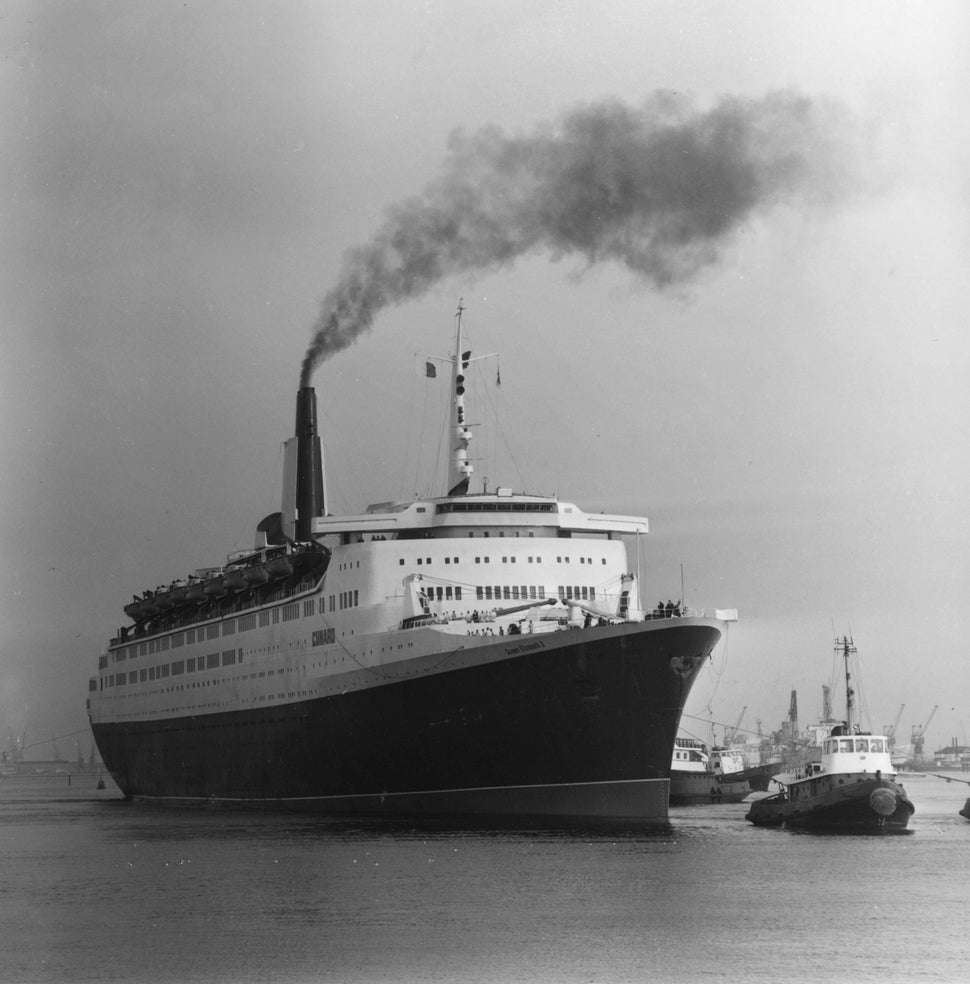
[(430, 370), (726, 614)]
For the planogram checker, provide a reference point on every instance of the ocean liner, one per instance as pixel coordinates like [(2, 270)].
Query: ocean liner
[(474, 653)]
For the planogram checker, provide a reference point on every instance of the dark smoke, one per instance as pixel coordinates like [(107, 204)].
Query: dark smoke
[(660, 188)]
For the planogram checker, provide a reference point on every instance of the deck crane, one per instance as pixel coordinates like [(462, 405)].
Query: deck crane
[(919, 733), (890, 730)]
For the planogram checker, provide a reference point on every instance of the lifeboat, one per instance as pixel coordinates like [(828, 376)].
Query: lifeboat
[(178, 592), (150, 606), (215, 588), (310, 560), (235, 581), (195, 592), (163, 601), (280, 567), (136, 609), (256, 575)]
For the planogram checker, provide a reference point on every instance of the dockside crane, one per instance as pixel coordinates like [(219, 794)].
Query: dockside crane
[(919, 735), (890, 730), (732, 733)]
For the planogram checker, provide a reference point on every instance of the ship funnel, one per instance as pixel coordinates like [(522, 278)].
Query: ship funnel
[(303, 493)]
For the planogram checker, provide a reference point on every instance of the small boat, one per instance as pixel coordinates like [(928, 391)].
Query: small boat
[(163, 600), (195, 591), (759, 776), (281, 566), (235, 580), (137, 608), (701, 775), (256, 574), (852, 789), (215, 588)]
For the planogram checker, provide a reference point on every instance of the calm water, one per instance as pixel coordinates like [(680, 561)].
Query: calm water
[(94, 889)]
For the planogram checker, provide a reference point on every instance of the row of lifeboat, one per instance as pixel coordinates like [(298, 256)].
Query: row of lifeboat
[(240, 575)]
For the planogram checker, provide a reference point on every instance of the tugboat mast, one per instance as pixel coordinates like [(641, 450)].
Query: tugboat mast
[(848, 649)]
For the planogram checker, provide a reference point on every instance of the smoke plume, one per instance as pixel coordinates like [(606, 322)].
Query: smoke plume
[(659, 188)]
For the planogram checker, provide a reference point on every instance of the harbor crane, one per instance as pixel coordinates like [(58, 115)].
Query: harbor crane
[(730, 734), (919, 734), (890, 730)]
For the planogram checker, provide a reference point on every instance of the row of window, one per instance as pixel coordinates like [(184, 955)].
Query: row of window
[(448, 507), (205, 633), (284, 613), (426, 561), (527, 592), (194, 664), (833, 745)]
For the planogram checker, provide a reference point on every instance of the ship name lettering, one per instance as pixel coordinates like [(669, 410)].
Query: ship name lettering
[(526, 647)]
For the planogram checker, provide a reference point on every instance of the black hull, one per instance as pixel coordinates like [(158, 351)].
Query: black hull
[(759, 777), (847, 808), (582, 727), (700, 789)]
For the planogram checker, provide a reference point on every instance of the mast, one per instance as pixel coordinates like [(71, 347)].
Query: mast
[(459, 467), (848, 649)]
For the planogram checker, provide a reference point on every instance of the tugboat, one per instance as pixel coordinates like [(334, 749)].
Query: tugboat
[(852, 789), (699, 775)]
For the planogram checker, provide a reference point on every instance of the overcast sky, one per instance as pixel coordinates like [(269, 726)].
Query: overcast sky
[(181, 185)]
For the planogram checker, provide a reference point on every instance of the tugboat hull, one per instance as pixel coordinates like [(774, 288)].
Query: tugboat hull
[(848, 803)]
